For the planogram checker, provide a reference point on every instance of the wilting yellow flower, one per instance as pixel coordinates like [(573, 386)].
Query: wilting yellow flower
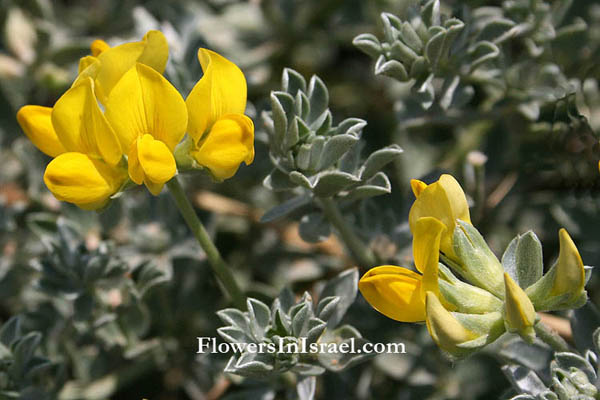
[(86, 169), (398, 292), (149, 117), (223, 136), (108, 64), (444, 200)]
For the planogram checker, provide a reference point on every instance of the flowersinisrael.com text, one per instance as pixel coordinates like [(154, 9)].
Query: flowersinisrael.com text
[(210, 345)]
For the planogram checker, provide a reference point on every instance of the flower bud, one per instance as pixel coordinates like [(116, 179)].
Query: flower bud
[(519, 314), (563, 286), (478, 263), (461, 334)]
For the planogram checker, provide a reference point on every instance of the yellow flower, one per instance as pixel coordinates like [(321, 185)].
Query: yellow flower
[(108, 64), (570, 274), (398, 292), (222, 135), (149, 118), (444, 200), (86, 169)]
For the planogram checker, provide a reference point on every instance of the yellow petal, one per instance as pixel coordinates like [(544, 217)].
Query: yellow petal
[(444, 200), (395, 292), (570, 274), (444, 328), (79, 179), (417, 186), (156, 51), (37, 125), (85, 63), (426, 251), (136, 173), (98, 47), (156, 159), (81, 126), (116, 61), (221, 91), (144, 102), (229, 142), (519, 312)]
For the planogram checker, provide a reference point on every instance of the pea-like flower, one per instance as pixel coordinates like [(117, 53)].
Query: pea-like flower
[(490, 298), (222, 136)]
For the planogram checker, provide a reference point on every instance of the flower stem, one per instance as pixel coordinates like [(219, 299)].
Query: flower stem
[(550, 337), (218, 265), (361, 253)]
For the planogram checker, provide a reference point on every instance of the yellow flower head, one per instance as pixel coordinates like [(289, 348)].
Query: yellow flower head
[(398, 292), (223, 136), (86, 169), (444, 200), (149, 118)]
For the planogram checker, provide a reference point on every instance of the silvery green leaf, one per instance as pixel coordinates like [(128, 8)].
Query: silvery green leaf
[(332, 182), (252, 364), (313, 228), (10, 331), (350, 161), (259, 315), (391, 23), (279, 122), (448, 90), (524, 379), (368, 44), (345, 287), (306, 388), (300, 321), (496, 30), (234, 334), (567, 361), (318, 97), (403, 53), (303, 156), (278, 181), (523, 259), (316, 327), (431, 13), (434, 48), (323, 128), (282, 324), (481, 52), (301, 180), (335, 148), (302, 106), (425, 93), (292, 81), (419, 68), (292, 137), (378, 159), (352, 340), (376, 186), (316, 150), (23, 352), (285, 208), (327, 306), (234, 317), (350, 126), (309, 370), (391, 68), (410, 37)]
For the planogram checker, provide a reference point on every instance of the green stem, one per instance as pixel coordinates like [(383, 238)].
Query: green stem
[(550, 337), (218, 265), (361, 253)]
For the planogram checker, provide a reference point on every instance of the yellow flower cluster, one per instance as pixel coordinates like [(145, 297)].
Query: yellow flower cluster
[(121, 120), (464, 315)]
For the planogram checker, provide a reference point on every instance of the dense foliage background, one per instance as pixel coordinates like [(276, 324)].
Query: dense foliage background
[(520, 133)]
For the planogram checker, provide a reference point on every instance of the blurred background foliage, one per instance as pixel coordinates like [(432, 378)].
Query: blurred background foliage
[(109, 305)]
